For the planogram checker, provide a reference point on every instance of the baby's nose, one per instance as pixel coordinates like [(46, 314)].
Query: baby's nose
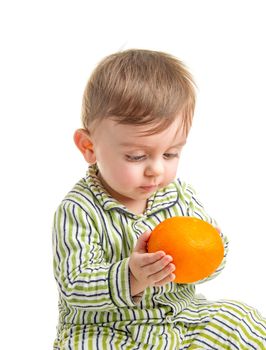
[(155, 168)]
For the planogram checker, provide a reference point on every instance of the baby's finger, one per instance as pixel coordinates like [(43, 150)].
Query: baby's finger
[(167, 279), (156, 277), (158, 265), (141, 246), (151, 258)]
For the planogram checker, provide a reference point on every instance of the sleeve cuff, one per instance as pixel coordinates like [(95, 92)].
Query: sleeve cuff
[(119, 284)]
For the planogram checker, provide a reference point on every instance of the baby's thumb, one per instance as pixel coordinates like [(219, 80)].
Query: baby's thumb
[(141, 246)]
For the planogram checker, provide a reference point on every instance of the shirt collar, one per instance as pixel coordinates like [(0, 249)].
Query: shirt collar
[(162, 199)]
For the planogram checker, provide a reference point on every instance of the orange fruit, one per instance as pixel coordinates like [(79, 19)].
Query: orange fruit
[(195, 246)]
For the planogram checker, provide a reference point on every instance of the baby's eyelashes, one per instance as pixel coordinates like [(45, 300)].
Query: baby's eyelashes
[(135, 158), (138, 158)]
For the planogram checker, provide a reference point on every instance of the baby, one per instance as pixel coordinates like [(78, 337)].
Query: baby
[(137, 112)]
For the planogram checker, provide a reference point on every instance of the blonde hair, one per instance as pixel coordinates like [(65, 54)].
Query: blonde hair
[(139, 87)]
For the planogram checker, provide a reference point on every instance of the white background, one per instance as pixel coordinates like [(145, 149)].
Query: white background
[(48, 49)]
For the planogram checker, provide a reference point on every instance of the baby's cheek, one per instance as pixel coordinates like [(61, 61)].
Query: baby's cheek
[(128, 176), (169, 176)]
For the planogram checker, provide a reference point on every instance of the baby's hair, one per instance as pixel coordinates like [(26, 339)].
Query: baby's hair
[(139, 87)]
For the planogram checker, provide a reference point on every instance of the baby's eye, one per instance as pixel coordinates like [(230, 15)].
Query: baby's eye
[(135, 158), (170, 155)]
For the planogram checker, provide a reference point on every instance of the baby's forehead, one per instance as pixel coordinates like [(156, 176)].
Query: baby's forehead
[(127, 135)]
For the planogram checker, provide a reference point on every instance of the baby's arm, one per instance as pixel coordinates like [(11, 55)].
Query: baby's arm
[(85, 276), (148, 269)]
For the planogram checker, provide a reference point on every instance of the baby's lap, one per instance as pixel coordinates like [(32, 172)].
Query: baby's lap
[(121, 335), (98, 337), (225, 313)]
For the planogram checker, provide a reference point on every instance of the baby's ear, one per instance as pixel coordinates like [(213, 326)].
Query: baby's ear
[(83, 141)]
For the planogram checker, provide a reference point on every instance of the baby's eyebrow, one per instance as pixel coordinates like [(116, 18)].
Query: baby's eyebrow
[(132, 144), (180, 144)]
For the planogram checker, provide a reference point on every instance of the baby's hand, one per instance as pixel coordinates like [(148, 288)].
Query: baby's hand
[(148, 269)]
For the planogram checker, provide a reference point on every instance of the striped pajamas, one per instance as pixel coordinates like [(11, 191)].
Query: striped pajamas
[(93, 238)]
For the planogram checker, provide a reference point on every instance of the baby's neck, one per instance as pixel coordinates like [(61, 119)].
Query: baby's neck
[(136, 207)]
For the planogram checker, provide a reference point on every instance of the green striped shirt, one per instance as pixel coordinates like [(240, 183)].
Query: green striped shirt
[(93, 237)]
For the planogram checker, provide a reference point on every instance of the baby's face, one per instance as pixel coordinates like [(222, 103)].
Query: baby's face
[(132, 164)]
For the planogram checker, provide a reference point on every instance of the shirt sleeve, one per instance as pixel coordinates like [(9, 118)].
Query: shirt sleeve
[(84, 277), (196, 209)]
